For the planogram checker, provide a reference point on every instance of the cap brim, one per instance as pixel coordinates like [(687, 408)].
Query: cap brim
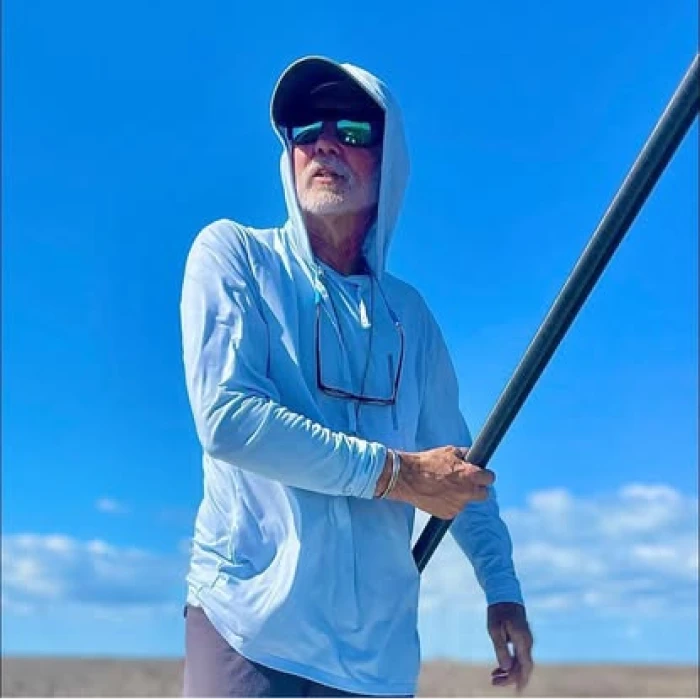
[(313, 85)]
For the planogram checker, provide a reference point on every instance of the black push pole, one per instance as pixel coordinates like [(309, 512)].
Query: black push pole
[(644, 174)]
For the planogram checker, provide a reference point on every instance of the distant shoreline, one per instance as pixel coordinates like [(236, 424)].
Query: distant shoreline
[(51, 676), (428, 661)]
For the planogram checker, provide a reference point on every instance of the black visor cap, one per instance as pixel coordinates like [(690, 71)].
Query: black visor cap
[(316, 89)]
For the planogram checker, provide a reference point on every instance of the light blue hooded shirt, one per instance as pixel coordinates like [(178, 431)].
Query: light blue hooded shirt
[(295, 563)]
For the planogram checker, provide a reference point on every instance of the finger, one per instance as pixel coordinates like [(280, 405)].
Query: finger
[(510, 678), (462, 453), (522, 680), (500, 646), (487, 477), (516, 675), (480, 493), (524, 671), (502, 679), (522, 646), (481, 476)]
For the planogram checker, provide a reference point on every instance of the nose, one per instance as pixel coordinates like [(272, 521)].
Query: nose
[(327, 141)]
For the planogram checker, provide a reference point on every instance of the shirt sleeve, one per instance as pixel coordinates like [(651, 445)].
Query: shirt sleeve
[(478, 530), (236, 407)]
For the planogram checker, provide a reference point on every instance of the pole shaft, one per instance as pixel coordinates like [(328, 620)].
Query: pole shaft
[(636, 187)]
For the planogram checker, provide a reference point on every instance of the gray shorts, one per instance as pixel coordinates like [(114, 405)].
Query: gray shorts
[(214, 669)]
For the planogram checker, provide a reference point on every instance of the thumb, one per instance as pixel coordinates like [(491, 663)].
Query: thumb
[(500, 645)]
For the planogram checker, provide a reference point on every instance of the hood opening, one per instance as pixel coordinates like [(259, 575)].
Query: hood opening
[(316, 81)]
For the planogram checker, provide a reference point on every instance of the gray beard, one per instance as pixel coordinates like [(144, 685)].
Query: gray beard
[(350, 198)]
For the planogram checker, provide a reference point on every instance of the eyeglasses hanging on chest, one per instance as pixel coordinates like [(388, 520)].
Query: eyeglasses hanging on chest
[(394, 360)]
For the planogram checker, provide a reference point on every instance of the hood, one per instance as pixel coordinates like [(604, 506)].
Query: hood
[(394, 172)]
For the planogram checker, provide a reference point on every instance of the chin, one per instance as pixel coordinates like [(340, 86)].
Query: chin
[(329, 203), (326, 204)]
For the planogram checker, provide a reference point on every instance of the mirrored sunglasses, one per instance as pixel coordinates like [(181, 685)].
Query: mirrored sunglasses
[(349, 132)]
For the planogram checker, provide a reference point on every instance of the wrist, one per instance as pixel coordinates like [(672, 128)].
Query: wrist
[(384, 476), (402, 489), (384, 488)]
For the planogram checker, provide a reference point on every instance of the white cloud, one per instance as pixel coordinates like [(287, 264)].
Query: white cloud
[(97, 547), (650, 493), (111, 506), (560, 559), (595, 553), (632, 551), (41, 570), (555, 501), (11, 606)]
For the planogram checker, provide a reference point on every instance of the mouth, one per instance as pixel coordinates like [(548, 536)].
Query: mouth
[(325, 179), (325, 174)]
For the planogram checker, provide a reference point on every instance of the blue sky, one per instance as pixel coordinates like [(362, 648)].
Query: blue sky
[(128, 127)]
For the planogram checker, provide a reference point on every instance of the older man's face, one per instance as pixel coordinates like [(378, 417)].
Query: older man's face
[(332, 178)]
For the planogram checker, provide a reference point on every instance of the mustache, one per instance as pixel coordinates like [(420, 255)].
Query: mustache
[(333, 165)]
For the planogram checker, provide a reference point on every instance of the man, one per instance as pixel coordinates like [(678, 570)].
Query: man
[(327, 408)]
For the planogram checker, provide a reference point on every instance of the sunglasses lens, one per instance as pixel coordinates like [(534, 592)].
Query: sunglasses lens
[(350, 132), (359, 134), (303, 135)]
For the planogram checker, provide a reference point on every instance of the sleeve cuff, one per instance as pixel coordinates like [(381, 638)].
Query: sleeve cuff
[(506, 590), (376, 458)]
